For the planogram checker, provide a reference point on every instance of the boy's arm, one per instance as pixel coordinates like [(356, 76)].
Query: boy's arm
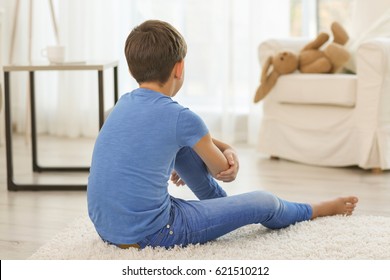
[(230, 174), (212, 155), (208, 151)]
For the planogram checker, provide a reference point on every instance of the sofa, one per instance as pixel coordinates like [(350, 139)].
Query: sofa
[(330, 119)]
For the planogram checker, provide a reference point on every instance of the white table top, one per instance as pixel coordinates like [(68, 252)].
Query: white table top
[(42, 66)]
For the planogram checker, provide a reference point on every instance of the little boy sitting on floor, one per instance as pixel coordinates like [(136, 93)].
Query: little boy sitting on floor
[(149, 138)]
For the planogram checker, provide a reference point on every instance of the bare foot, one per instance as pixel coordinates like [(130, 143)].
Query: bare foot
[(338, 206)]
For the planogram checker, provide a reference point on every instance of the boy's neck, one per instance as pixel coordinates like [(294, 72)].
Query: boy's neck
[(165, 89)]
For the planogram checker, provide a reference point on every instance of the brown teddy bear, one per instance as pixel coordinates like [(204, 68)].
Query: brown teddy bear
[(310, 60)]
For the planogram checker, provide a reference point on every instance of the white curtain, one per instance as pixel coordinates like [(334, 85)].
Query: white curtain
[(222, 69)]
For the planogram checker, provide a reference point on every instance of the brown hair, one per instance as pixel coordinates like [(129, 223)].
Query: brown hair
[(152, 49)]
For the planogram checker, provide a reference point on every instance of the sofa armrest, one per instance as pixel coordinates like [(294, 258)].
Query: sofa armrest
[(373, 87), (272, 46)]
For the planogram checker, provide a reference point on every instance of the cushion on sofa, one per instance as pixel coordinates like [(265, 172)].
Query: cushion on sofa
[(316, 89)]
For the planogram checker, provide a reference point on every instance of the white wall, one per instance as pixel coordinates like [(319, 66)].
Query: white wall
[(366, 12)]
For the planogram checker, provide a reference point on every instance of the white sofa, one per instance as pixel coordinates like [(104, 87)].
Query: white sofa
[(330, 119)]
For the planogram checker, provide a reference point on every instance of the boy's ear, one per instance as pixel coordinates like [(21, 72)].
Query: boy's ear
[(179, 69)]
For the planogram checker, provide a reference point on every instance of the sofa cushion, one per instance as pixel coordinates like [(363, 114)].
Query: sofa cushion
[(316, 89)]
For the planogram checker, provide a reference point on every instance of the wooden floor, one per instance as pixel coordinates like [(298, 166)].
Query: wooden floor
[(30, 219)]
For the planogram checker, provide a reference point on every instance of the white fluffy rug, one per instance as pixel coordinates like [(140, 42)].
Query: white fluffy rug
[(338, 237)]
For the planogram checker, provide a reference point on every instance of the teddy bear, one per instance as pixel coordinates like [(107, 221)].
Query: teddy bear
[(311, 59)]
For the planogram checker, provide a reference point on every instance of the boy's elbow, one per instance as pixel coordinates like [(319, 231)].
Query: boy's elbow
[(223, 166)]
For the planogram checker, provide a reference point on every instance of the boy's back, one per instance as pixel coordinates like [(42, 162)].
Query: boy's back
[(132, 161)]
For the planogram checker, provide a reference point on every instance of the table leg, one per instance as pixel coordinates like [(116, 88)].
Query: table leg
[(115, 84), (101, 98), (35, 166), (34, 141), (8, 131)]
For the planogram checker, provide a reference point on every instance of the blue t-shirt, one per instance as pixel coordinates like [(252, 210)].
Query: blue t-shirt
[(133, 158)]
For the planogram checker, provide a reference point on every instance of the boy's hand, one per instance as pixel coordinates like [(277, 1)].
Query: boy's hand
[(230, 174), (175, 178)]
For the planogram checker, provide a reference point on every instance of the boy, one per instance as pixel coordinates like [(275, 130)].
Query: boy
[(149, 138)]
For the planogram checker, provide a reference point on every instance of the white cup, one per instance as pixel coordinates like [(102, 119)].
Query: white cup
[(55, 54)]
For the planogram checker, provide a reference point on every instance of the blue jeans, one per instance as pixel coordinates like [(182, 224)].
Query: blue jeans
[(215, 213)]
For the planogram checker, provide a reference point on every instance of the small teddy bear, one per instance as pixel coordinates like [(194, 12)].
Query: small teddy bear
[(310, 60)]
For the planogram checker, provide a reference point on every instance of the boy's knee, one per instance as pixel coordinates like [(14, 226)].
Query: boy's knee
[(268, 201)]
